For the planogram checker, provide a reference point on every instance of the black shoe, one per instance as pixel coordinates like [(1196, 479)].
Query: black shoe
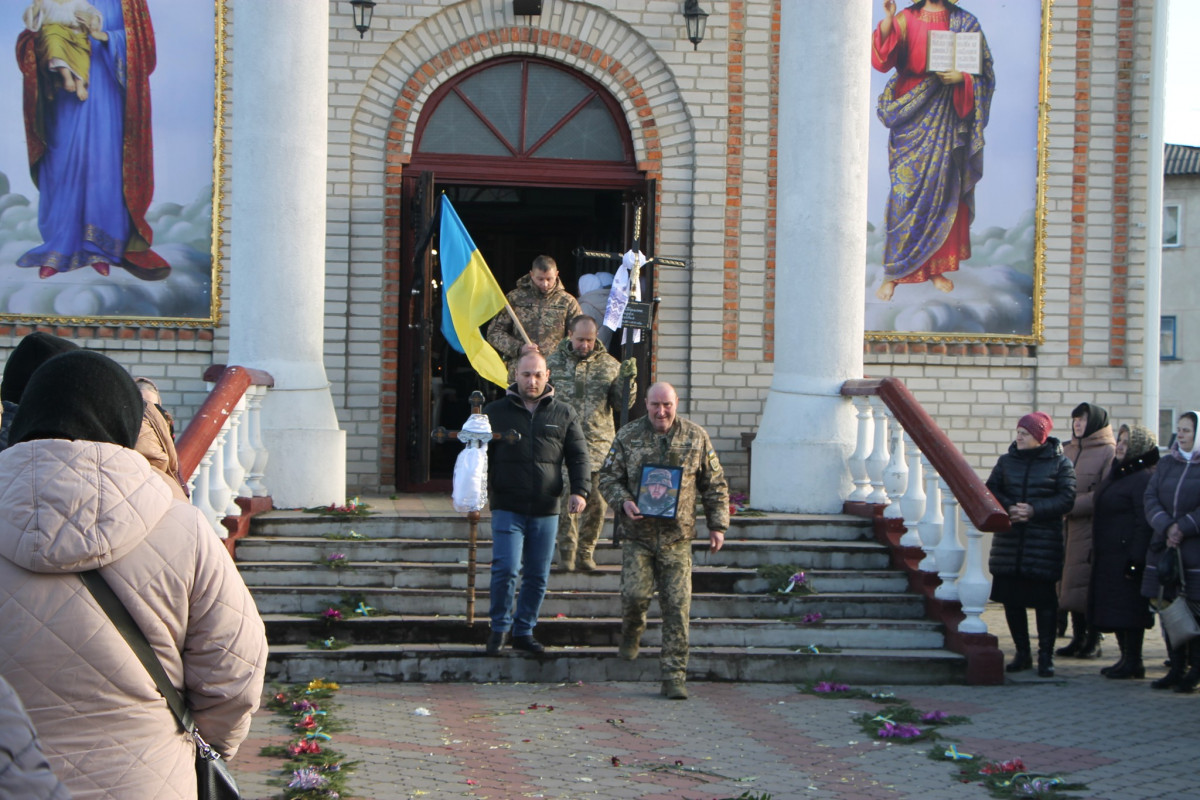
[(1111, 668), (1060, 627), (528, 644), (1129, 668), (497, 640), (1188, 683), (1045, 665), (1170, 679), (1021, 662), (1091, 645), (1071, 649)]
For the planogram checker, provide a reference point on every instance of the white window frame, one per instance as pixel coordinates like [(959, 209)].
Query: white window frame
[(1177, 208)]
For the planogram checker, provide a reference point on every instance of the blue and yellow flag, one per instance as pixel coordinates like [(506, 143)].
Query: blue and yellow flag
[(470, 297)]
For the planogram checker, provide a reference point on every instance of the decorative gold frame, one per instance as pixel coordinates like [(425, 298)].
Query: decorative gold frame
[(217, 244), (1038, 336)]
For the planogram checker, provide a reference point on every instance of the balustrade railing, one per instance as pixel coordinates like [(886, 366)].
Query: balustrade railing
[(221, 453), (906, 463)]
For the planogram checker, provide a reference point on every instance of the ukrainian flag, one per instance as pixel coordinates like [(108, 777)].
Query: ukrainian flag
[(470, 297)]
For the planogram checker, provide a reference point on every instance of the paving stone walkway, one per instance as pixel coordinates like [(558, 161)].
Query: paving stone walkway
[(624, 741)]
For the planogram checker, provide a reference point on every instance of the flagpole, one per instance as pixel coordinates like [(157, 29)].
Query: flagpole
[(517, 322)]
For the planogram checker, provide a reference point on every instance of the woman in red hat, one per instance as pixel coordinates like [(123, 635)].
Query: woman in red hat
[(1035, 482)]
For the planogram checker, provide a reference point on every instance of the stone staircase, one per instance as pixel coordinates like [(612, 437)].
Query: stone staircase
[(410, 569)]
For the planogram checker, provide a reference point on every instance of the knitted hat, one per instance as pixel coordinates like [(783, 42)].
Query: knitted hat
[(80, 395), (1141, 441), (30, 353), (1038, 424)]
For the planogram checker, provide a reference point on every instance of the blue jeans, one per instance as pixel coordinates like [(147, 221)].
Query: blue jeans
[(521, 545)]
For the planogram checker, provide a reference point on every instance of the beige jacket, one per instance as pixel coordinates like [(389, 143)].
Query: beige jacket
[(155, 443), (1092, 458), (72, 506)]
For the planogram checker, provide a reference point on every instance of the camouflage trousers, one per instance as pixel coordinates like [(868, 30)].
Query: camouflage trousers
[(647, 567), (578, 533)]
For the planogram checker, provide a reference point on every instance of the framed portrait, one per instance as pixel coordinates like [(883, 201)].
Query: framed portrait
[(957, 166), (658, 492), (109, 188)]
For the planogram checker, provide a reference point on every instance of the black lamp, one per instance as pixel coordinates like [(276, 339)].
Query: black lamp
[(363, 9), (695, 17)]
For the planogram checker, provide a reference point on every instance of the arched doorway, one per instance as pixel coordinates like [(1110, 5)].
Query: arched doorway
[(537, 158)]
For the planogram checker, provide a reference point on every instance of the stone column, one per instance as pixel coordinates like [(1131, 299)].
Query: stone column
[(807, 429), (280, 103)]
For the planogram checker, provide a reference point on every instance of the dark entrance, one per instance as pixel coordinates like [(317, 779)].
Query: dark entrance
[(536, 159)]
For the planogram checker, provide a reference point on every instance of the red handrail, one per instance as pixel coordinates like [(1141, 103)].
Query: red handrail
[(202, 431), (985, 513)]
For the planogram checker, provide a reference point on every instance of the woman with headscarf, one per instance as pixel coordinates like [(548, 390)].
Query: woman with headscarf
[(77, 497), (1091, 452), (30, 353), (1173, 511), (1120, 537), (1035, 482)]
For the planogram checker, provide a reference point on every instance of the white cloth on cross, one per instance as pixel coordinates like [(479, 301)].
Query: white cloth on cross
[(624, 289), (470, 468)]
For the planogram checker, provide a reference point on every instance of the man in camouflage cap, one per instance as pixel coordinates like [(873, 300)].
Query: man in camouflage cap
[(544, 308), (594, 384), (653, 547)]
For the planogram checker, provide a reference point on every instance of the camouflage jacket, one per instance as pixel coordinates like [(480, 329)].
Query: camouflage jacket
[(686, 445), (593, 387), (545, 317)]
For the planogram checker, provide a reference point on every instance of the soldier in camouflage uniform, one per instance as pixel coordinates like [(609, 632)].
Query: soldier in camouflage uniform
[(594, 384), (657, 553), (544, 308)]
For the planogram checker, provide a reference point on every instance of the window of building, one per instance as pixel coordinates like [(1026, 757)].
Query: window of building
[(1166, 341), (1166, 426), (1172, 225)]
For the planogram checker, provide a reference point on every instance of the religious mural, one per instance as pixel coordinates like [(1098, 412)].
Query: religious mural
[(955, 195), (106, 190)]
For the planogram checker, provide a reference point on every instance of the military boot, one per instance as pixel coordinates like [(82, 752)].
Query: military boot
[(675, 689)]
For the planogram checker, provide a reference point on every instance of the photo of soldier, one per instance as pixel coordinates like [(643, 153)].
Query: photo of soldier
[(658, 494)]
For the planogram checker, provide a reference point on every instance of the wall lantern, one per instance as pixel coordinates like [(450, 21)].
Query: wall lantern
[(695, 17), (363, 9)]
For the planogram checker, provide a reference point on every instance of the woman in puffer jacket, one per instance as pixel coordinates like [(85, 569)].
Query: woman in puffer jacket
[(1035, 482), (1173, 511), (1091, 452), (77, 497)]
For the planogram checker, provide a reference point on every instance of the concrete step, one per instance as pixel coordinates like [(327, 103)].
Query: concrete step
[(749, 554), (421, 575), (469, 663), (606, 632), (830, 527), (840, 605)]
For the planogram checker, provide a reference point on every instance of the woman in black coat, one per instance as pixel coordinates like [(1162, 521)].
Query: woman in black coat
[(1120, 537), (1173, 511), (1036, 483)]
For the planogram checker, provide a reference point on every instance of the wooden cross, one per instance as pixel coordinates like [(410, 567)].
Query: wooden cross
[(441, 436)]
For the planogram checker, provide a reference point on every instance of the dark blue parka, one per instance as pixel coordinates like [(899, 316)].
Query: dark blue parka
[(1044, 478), (526, 477)]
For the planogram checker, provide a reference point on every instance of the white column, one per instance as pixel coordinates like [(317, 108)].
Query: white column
[(277, 275), (808, 429)]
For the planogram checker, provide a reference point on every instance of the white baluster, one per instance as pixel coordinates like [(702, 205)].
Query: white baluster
[(973, 585), (257, 486), (895, 476), (200, 495), (245, 450), (234, 471), (913, 501), (219, 493), (949, 551), (930, 526), (858, 459), (877, 461)]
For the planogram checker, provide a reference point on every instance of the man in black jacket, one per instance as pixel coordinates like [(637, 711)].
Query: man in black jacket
[(525, 484)]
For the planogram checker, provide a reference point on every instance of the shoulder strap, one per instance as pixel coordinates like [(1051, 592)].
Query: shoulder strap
[(112, 605)]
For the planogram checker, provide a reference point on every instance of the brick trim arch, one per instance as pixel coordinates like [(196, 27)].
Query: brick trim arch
[(647, 98)]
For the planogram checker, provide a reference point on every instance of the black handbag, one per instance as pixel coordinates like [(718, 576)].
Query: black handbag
[(213, 778)]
